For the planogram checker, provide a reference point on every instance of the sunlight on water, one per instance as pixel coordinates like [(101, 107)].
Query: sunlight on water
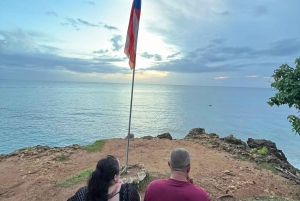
[(64, 113)]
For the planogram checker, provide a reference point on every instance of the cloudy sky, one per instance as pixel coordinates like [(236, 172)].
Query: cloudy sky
[(195, 42)]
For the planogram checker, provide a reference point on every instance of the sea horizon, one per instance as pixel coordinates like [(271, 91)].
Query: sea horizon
[(61, 113), (136, 82)]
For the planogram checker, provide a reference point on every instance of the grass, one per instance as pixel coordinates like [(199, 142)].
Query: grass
[(266, 166), (62, 158), (263, 150), (258, 166), (75, 179), (242, 158), (96, 146)]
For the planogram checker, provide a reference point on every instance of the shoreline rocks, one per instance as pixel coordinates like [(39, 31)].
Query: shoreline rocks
[(41, 151), (274, 156), (271, 146), (165, 136), (236, 147), (131, 136)]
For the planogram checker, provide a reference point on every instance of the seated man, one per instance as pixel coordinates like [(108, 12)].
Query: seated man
[(179, 187)]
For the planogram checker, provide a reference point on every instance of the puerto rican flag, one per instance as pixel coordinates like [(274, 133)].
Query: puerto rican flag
[(132, 32)]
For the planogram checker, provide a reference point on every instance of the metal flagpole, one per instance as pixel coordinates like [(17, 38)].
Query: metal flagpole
[(130, 51), (127, 150)]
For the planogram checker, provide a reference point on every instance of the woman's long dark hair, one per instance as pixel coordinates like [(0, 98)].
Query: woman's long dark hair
[(101, 178)]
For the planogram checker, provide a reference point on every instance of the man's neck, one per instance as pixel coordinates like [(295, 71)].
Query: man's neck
[(177, 175)]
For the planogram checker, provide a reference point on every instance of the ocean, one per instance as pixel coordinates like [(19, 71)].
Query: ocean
[(64, 113)]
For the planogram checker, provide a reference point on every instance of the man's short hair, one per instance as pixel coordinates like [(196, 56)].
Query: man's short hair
[(179, 159)]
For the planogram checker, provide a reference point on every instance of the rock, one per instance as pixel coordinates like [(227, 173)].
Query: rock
[(271, 146), (138, 180), (280, 155), (13, 154), (231, 187), (232, 140), (213, 135), (75, 146), (195, 133), (148, 137), (165, 136), (252, 143), (227, 172), (226, 197), (2, 157), (131, 136), (141, 175)]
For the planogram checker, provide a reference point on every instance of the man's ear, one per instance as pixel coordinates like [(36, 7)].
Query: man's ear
[(169, 164), (188, 168)]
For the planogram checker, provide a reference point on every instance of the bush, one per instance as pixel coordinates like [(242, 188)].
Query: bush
[(263, 150)]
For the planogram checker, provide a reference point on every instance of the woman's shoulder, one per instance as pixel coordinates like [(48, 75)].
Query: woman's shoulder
[(80, 195)]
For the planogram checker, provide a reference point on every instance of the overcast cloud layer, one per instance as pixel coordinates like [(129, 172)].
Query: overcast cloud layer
[(197, 42)]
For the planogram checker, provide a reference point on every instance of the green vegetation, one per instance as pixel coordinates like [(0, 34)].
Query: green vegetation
[(242, 158), (96, 146), (143, 185), (75, 179), (266, 166), (263, 150), (62, 158), (287, 82)]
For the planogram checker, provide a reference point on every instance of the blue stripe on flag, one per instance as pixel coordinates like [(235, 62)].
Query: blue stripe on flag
[(137, 4)]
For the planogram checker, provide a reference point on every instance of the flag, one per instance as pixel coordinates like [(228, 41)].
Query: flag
[(132, 32)]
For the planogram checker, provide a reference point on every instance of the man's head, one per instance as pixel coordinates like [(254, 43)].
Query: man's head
[(179, 160)]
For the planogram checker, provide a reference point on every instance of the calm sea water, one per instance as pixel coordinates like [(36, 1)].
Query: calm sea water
[(64, 113)]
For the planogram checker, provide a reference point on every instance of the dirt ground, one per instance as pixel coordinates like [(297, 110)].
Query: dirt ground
[(36, 177)]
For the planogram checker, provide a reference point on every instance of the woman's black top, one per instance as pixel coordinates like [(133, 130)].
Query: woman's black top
[(127, 193)]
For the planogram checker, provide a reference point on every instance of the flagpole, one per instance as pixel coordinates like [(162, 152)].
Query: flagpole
[(127, 150), (130, 51)]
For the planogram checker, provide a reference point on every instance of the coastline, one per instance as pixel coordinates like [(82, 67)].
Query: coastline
[(220, 165), (199, 134)]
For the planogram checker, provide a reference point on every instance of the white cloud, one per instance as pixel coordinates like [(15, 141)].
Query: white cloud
[(191, 9), (221, 78), (252, 76), (186, 38), (18, 41)]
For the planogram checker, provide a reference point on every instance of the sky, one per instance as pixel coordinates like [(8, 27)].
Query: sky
[(197, 42)]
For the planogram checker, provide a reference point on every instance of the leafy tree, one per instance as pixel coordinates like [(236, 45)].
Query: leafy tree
[(287, 82)]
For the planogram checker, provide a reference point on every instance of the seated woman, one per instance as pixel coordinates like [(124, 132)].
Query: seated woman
[(105, 185)]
